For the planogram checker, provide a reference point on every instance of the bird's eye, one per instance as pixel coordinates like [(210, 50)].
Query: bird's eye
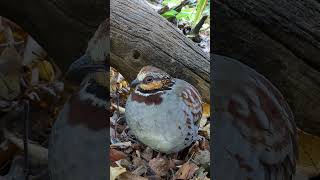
[(148, 79)]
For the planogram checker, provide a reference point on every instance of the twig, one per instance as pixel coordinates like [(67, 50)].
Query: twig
[(25, 139), (119, 108), (121, 144), (118, 112), (197, 28)]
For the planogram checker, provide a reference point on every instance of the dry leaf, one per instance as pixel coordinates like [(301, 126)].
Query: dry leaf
[(147, 154), (206, 110), (32, 51), (46, 71), (116, 171), (161, 165), (115, 155), (202, 158), (309, 157), (130, 176), (10, 64), (186, 171)]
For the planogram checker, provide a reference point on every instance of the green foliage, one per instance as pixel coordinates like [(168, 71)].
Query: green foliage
[(171, 3), (201, 5), (186, 14), (191, 13), (169, 14)]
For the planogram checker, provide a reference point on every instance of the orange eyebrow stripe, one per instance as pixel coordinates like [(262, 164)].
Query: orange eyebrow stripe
[(152, 85)]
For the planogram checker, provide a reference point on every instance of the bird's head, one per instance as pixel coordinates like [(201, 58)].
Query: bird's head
[(92, 77), (151, 79)]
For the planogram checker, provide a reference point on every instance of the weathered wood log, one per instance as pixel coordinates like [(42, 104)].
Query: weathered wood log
[(140, 36), (281, 40), (62, 27)]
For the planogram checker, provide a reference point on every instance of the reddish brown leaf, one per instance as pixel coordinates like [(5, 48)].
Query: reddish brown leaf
[(116, 155)]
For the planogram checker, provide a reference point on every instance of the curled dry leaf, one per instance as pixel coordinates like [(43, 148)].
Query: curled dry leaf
[(46, 71), (116, 171), (186, 171)]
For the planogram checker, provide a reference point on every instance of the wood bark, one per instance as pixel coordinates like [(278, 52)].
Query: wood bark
[(281, 40), (62, 27), (140, 36)]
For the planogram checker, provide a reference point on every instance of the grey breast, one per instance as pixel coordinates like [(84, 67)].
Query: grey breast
[(76, 152), (160, 126)]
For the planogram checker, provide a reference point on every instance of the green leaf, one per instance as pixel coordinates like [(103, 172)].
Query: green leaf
[(169, 14), (200, 8), (186, 14), (171, 3)]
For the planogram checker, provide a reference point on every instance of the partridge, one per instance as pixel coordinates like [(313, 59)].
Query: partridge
[(163, 111), (254, 132), (78, 140)]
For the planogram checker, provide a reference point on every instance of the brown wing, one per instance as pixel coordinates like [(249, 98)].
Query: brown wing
[(254, 130), (192, 101)]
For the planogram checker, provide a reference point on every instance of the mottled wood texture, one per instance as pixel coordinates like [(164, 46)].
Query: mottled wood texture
[(62, 27), (140, 36), (281, 40)]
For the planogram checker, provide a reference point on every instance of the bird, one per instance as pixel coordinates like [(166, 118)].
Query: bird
[(163, 112), (254, 132), (78, 140)]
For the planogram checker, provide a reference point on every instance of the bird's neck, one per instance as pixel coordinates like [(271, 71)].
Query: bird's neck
[(89, 107)]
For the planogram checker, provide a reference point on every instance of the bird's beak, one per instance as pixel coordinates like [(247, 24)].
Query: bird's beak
[(84, 66), (134, 83)]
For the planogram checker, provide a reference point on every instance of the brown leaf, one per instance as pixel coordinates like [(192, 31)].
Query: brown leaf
[(186, 171), (130, 176), (147, 154), (204, 145), (161, 165), (116, 155)]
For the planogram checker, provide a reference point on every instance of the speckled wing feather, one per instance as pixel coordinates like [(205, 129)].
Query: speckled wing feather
[(191, 106), (254, 134)]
